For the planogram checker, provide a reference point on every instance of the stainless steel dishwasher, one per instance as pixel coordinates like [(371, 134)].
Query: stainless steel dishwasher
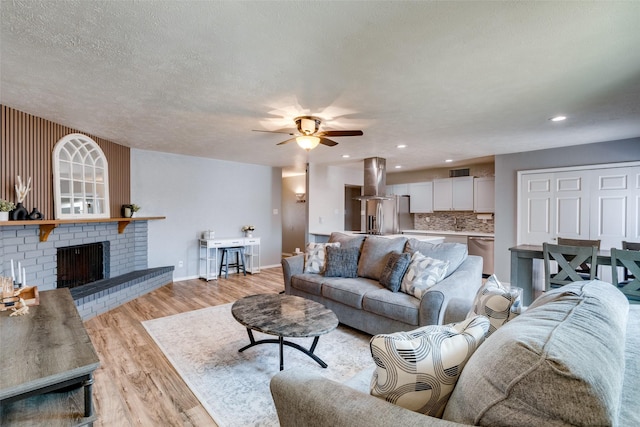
[(482, 246)]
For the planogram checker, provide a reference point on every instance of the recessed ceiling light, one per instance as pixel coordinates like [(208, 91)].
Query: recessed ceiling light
[(398, 167), (345, 156), (558, 118), (448, 161), (401, 145)]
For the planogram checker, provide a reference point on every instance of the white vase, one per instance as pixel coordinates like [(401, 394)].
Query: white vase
[(248, 233), (4, 216)]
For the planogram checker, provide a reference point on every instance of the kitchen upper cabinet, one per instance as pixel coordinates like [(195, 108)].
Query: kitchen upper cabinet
[(484, 195), (453, 194), (398, 190), (421, 197)]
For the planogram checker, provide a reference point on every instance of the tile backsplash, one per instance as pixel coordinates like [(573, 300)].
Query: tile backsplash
[(452, 221)]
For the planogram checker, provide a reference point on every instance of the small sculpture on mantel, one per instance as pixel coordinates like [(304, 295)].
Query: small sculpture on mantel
[(20, 213)]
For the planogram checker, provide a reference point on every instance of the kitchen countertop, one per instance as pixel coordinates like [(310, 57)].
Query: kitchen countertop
[(448, 233), (423, 238)]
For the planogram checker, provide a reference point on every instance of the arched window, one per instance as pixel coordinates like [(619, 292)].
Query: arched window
[(81, 178)]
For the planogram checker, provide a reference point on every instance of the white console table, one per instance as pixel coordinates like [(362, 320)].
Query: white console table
[(209, 264)]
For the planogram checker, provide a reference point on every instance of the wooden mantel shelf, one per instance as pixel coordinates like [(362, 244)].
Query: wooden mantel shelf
[(47, 225)]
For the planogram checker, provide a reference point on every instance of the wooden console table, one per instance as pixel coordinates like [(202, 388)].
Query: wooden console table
[(46, 350)]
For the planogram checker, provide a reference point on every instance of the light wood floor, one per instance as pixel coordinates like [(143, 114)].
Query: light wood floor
[(135, 384)]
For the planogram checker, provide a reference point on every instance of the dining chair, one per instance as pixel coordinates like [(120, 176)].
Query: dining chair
[(584, 270), (630, 260), (632, 246), (568, 258)]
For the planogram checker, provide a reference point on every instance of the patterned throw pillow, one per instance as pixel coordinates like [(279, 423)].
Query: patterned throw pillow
[(423, 272), (315, 257), (418, 370), (394, 270), (495, 301), (342, 262)]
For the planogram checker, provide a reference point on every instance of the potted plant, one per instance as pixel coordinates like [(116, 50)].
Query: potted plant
[(129, 210), (248, 230), (5, 208)]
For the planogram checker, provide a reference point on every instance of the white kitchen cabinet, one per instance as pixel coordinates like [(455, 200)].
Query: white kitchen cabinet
[(398, 190), (484, 195), (453, 194), (421, 197)]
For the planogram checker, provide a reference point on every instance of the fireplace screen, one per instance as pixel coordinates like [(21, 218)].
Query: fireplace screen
[(82, 264)]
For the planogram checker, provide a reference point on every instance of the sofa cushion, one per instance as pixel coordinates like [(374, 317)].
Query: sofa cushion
[(342, 262), (394, 270), (418, 370), (374, 255), (347, 241), (309, 283), (348, 291), (455, 253), (423, 272), (495, 301), (315, 257), (393, 305), (557, 364)]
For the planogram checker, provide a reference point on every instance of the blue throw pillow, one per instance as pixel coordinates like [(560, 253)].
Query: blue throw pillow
[(394, 270), (342, 262)]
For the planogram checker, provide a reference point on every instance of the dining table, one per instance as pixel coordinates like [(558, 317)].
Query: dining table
[(523, 272)]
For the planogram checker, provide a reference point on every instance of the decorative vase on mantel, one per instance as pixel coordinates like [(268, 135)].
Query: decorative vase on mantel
[(248, 233), (4, 216), (20, 213)]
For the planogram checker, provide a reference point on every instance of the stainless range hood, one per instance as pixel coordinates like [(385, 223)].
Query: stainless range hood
[(375, 179)]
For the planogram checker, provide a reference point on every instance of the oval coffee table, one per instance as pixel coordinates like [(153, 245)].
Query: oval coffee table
[(284, 316)]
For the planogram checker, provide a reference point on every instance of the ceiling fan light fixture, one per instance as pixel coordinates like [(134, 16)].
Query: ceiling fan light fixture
[(308, 142)]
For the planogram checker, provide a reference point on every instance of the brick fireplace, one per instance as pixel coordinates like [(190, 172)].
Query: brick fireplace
[(128, 275)]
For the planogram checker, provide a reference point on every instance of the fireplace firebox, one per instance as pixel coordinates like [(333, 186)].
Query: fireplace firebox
[(82, 264)]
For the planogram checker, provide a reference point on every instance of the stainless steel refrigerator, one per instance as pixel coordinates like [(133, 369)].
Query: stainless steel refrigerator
[(388, 216)]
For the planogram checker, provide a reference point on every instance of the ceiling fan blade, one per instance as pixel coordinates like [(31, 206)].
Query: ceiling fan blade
[(327, 142), (340, 133), (275, 131), (287, 141)]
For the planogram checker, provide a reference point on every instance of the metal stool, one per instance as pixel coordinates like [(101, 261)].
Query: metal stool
[(224, 262)]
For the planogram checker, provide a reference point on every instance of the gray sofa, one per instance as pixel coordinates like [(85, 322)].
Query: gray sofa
[(363, 303), (572, 358)]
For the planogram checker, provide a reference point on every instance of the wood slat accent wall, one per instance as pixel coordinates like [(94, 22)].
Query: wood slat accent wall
[(27, 149)]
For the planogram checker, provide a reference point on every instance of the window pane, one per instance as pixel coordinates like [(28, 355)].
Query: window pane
[(64, 155), (65, 187), (89, 189), (65, 204), (88, 173), (99, 206), (65, 170), (78, 206), (90, 206), (77, 158), (77, 171), (100, 190), (77, 188)]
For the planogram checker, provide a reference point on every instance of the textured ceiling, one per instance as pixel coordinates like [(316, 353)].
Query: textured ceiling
[(458, 80)]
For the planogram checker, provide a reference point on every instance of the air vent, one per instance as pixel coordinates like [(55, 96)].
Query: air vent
[(453, 173)]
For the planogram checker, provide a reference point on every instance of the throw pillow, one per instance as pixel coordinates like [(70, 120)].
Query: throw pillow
[(455, 253), (315, 257), (342, 262), (418, 370), (347, 241), (374, 255), (394, 270), (423, 272), (495, 301)]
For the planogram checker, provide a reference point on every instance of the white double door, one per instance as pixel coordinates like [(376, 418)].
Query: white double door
[(599, 202)]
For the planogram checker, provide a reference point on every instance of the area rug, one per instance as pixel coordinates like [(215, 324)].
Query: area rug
[(202, 345)]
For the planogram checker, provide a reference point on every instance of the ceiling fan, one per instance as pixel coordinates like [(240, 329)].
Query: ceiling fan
[(309, 135)]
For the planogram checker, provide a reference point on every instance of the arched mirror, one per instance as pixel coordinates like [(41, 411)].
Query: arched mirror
[(81, 178)]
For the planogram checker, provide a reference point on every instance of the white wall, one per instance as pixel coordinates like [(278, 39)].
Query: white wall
[(508, 165), (326, 195), (196, 194)]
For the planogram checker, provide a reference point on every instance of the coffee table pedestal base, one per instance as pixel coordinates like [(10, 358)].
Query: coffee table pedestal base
[(281, 341)]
